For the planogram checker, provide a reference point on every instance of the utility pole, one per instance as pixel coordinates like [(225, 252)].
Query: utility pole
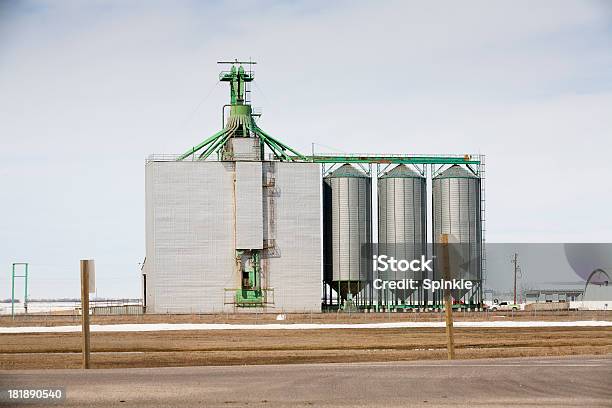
[(448, 301), (517, 270)]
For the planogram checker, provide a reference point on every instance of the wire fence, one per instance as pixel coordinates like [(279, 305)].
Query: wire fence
[(72, 307), (128, 314)]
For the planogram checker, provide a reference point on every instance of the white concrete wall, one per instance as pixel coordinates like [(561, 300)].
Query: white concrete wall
[(190, 238), (295, 268), (249, 212), (190, 242)]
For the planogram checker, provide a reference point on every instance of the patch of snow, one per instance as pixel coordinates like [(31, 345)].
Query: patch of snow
[(152, 327)]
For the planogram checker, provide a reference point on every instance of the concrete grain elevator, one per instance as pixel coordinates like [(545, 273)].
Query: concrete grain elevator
[(234, 223), (244, 223)]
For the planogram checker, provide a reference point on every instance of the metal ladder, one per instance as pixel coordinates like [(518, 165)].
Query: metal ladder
[(483, 217)]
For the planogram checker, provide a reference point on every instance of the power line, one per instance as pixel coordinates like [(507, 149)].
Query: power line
[(199, 105)]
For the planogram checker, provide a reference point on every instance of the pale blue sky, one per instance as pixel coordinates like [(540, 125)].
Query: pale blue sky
[(88, 89)]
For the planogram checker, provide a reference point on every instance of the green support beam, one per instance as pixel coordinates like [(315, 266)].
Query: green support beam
[(215, 146), (240, 123), (390, 159), (206, 142), (298, 156)]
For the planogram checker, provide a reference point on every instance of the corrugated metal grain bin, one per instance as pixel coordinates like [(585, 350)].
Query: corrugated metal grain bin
[(456, 211), (347, 227), (402, 218)]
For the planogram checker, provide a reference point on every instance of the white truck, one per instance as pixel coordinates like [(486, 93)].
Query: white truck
[(505, 306)]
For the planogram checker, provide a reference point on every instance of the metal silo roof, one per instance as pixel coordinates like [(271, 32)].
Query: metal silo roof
[(346, 170), (456, 171), (401, 171)]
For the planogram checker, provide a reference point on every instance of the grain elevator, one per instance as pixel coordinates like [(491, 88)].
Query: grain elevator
[(242, 222), (230, 226)]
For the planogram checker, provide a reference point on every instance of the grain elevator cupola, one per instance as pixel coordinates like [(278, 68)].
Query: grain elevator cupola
[(240, 124)]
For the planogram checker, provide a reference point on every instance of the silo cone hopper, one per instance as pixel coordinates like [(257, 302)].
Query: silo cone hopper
[(348, 287), (460, 265), (240, 122)]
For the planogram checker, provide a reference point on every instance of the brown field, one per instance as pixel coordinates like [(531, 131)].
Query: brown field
[(54, 319), (239, 347)]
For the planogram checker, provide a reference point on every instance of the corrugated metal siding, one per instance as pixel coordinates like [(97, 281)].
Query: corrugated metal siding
[(456, 211), (349, 206), (293, 224), (402, 231), (190, 233), (190, 236), (149, 266), (245, 148), (249, 212)]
